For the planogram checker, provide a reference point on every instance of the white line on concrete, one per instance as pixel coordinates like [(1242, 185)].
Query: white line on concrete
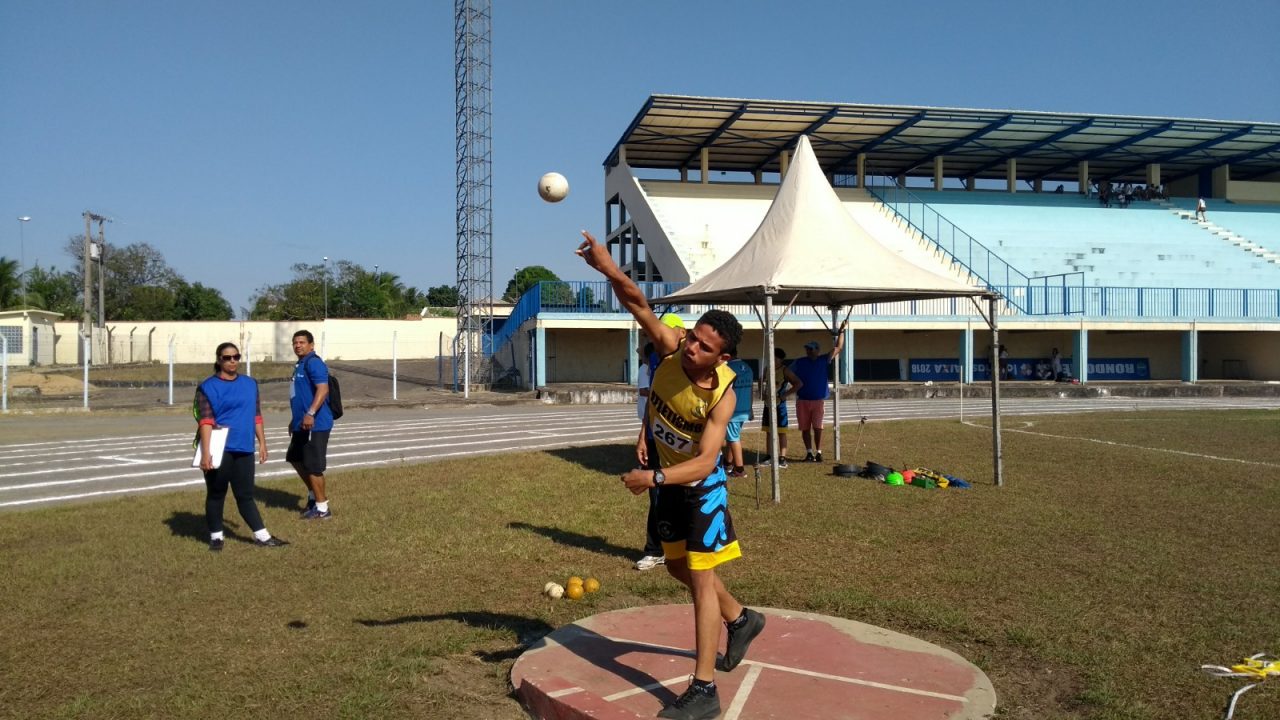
[(783, 668), (858, 681), (744, 691), (646, 688), (564, 692)]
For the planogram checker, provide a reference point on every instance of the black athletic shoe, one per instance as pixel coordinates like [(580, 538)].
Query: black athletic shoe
[(215, 545), (808, 457), (272, 541), (739, 640), (818, 457), (694, 703)]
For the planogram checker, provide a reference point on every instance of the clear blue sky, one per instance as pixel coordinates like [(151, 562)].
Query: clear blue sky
[(240, 137)]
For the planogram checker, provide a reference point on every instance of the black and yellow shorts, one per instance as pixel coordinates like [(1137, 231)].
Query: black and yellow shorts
[(694, 522)]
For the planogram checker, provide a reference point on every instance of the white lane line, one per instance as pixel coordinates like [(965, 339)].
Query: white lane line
[(386, 445), (1202, 456), (333, 466), (131, 460), (290, 472), (744, 691)]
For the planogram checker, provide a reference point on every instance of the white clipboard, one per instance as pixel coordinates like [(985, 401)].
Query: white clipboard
[(217, 444)]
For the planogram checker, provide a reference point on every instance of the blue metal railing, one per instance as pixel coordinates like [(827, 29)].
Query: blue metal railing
[(1044, 299), (963, 248)]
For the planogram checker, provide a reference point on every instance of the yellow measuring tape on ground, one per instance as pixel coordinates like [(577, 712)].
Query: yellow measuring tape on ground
[(1255, 667)]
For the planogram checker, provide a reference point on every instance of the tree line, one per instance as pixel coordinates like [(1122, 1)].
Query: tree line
[(142, 286)]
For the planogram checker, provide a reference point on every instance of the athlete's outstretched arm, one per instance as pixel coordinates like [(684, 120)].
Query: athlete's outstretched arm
[(665, 339), (701, 465)]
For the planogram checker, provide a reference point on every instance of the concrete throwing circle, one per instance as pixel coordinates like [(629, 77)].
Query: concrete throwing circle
[(629, 663)]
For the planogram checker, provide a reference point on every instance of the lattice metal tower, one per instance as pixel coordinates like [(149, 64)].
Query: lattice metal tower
[(473, 81)]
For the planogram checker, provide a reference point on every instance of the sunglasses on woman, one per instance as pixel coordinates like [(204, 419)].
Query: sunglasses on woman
[(235, 357)]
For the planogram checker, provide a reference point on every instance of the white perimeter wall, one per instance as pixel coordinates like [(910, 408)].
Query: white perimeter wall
[(196, 341)]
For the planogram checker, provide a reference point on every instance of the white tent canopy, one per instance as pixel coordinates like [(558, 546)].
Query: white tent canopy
[(808, 250)]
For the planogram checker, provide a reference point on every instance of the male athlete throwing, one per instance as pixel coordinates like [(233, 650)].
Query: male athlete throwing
[(690, 403)]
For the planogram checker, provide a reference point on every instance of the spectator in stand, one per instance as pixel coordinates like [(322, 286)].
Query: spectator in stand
[(1056, 362)]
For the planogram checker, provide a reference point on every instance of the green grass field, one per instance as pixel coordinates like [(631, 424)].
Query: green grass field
[(1093, 585)]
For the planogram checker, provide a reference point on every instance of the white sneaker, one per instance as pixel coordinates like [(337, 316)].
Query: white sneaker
[(649, 562)]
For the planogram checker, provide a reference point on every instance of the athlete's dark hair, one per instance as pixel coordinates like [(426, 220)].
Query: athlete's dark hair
[(779, 353), (217, 355), (306, 334), (648, 350), (726, 326)]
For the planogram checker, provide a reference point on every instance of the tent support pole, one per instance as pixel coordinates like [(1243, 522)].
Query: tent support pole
[(764, 350), (835, 360), (772, 406), (997, 456)]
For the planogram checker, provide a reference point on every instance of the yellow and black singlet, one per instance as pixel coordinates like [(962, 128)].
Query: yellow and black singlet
[(678, 409)]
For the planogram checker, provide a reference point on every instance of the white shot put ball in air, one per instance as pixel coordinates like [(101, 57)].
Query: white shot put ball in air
[(555, 592), (553, 187)]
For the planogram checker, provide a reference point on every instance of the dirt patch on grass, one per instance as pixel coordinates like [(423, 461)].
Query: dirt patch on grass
[(46, 385)]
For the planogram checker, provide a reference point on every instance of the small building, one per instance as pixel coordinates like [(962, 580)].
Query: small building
[(29, 337)]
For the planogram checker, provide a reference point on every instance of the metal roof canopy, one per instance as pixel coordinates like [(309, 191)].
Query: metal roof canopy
[(749, 135)]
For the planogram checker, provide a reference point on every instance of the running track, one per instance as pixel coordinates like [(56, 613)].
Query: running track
[(157, 456)]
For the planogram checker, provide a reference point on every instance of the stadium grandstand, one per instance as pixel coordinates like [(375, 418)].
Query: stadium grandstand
[(1086, 225)]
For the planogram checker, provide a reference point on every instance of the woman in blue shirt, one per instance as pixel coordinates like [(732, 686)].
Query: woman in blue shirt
[(230, 400)]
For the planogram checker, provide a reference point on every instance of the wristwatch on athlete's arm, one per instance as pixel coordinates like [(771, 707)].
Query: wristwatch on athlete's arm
[(658, 478), (312, 413)]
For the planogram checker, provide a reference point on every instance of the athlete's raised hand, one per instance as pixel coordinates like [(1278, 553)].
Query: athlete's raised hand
[(596, 255)]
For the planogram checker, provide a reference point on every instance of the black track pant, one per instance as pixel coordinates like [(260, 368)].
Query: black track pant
[(652, 546), (237, 472)]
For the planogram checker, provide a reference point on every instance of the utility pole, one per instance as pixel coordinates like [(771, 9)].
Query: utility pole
[(87, 321), (89, 258)]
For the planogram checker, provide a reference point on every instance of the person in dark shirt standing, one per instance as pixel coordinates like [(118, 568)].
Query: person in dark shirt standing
[(311, 424)]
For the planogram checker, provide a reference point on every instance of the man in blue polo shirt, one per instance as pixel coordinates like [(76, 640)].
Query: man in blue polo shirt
[(311, 423), (814, 370)]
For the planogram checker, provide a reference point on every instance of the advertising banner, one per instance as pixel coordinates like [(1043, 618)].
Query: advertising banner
[(948, 369)]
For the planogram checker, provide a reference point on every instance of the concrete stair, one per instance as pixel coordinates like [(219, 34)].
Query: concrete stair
[(1224, 234)]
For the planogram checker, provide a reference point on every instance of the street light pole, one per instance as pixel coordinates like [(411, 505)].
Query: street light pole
[(326, 287), (22, 256)]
